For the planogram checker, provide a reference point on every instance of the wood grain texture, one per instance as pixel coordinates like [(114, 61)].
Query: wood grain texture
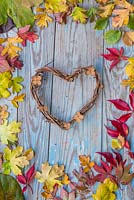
[(35, 129)]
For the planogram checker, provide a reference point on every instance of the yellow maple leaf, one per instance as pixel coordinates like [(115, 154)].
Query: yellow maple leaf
[(86, 163), (128, 38), (51, 175), (17, 99), (10, 48), (79, 15), (106, 11)]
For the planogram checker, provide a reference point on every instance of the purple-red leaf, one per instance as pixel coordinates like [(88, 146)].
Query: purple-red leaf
[(125, 117), (109, 157), (99, 169), (120, 104), (30, 174), (112, 133), (131, 97), (115, 56), (21, 179)]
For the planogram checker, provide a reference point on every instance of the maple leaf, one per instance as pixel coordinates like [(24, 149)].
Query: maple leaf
[(106, 190), (17, 99), (42, 18), (86, 163), (128, 38), (4, 114), (9, 131), (25, 35), (16, 86), (56, 6), (130, 67), (27, 178), (14, 160), (115, 56), (51, 175), (10, 48), (79, 15), (5, 84)]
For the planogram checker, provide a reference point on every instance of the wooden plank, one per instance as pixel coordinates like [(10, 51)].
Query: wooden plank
[(11, 109), (35, 131), (114, 90), (76, 45)]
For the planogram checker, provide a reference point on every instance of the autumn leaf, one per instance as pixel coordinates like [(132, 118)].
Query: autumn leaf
[(56, 6), (130, 67), (42, 18), (79, 15), (17, 99), (112, 36), (128, 38), (5, 84), (16, 86), (128, 83), (27, 35), (121, 18), (9, 131), (14, 160), (101, 23), (92, 13), (115, 56), (4, 65), (27, 178), (106, 190), (10, 48), (51, 175), (86, 163), (4, 114), (106, 10)]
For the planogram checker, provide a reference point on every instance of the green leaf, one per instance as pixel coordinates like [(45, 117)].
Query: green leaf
[(79, 15), (3, 13), (9, 188), (21, 15), (131, 21), (16, 86), (112, 36), (92, 13), (101, 23)]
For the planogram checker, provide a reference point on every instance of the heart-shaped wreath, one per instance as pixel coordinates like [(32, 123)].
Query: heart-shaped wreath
[(37, 82)]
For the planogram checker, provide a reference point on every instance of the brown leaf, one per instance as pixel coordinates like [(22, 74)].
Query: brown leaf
[(128, 38)]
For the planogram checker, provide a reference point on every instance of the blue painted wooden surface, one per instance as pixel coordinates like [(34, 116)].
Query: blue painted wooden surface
[(68, 47)]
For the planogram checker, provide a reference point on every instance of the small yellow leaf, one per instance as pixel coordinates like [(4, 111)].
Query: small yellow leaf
[(116, 144), (129, 83), (29, 154), (130, 67), (43, 19), (106, 11), (17, 99), (65, 180), (86, 163)]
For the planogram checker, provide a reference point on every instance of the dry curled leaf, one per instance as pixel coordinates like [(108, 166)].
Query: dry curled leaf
[(86, 163), (4, 114), (128, 38)]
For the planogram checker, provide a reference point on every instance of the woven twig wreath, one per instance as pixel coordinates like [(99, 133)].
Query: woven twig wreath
[(37, 82)]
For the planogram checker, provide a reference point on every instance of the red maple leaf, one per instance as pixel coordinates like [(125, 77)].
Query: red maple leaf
[(25, 35), (27, 178), (115, 56)]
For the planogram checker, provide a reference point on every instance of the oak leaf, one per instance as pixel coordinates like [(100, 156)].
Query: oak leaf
[(42, 18), (106, 10), (56, 6), (79, 15)]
